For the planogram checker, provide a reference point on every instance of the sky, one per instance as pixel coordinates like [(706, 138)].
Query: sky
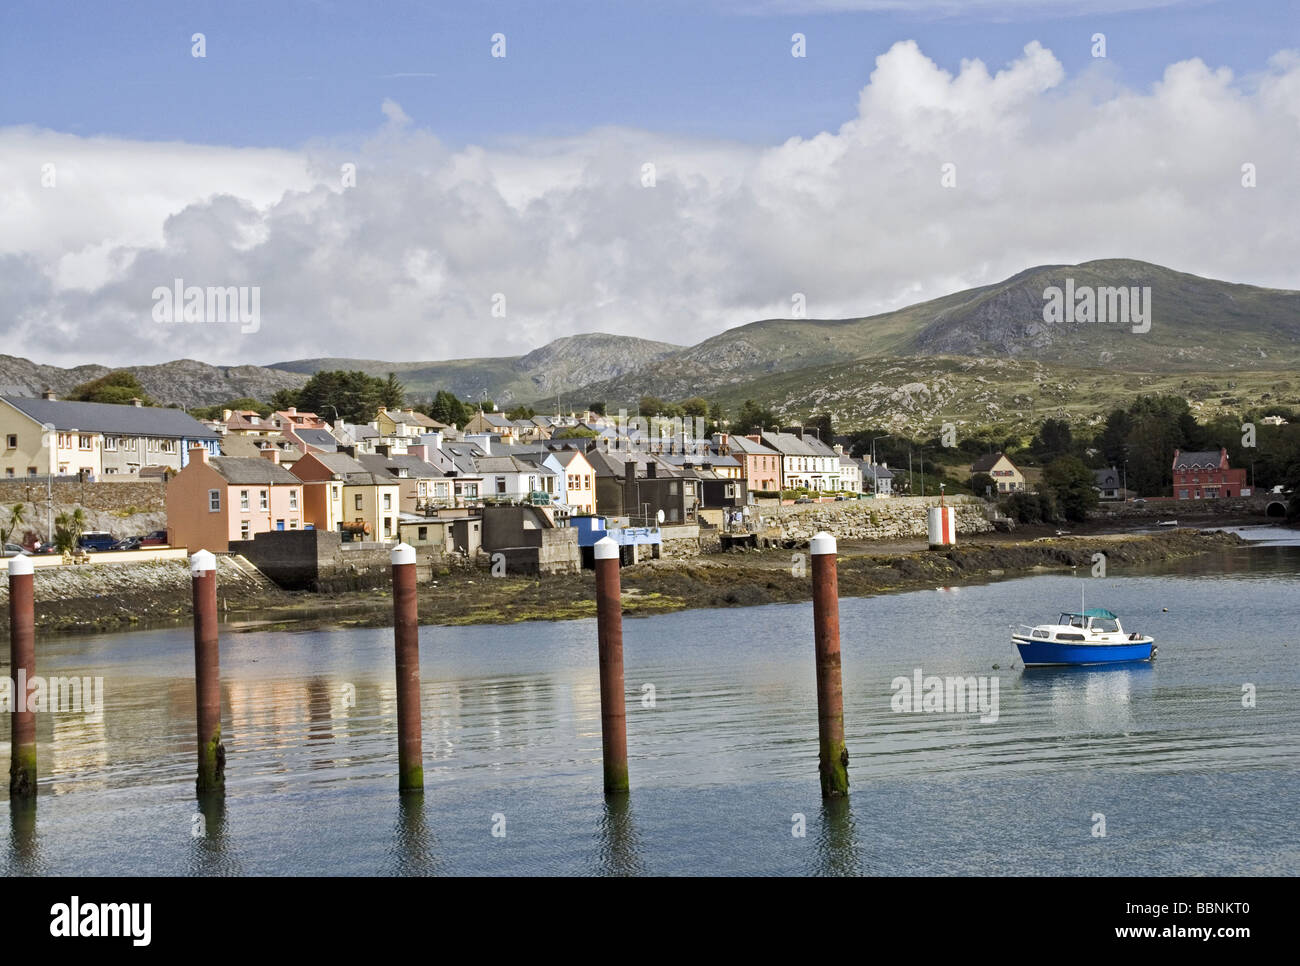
[(390, 189)]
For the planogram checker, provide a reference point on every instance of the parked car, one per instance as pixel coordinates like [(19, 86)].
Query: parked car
[(14, 550), (158, 538), (804, 499), (94, 541), (128, 543)]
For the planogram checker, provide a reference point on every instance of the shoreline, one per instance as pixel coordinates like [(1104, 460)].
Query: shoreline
[(729, 579)]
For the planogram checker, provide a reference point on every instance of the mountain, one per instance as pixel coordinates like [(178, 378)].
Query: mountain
[(562, 366), (185, 382), (1195, 324)]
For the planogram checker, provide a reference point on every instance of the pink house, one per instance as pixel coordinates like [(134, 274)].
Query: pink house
[(216, 499)]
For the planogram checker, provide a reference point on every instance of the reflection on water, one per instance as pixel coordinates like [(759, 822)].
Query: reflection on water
[(719, 761)]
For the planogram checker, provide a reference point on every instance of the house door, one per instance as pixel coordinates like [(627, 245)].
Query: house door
[(279, 524)]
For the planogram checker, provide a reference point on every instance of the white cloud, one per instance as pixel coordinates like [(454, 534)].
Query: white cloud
[(406, 263)]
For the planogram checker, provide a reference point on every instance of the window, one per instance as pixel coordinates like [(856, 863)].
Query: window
[(65, 440), (293, 499), (388, 526), (501, 484), (12, 441), (243, 500), (243, 530), (358, 499), (388, 501), (214, 501), (422, 534), (293, 524), (9, 471), (264, 500), (110, 444), (334, 492), (31, 471), (167, 445)]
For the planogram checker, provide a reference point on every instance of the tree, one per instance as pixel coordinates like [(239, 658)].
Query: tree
[(521, 412), (824, 427), (243, 402), (695, 406), (597, 407), (392, 394), (68, 528), (1072, 485), (654, 406), (446, 408), (981, 484), (119, 387), (12, 521), (752, 418), (283, 399), (355, 395), (575, 432), (1054, 439)]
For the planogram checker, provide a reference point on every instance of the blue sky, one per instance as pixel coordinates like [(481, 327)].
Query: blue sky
[(126, 164), (282, 72)]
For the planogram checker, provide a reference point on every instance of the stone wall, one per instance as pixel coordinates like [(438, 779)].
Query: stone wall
[(868, 519)]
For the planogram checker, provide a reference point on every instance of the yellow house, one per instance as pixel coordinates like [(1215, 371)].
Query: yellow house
[(351, 496), (577, 484), (1004, 472)]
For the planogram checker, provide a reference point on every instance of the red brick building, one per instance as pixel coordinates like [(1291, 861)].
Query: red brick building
[(1206, 476)]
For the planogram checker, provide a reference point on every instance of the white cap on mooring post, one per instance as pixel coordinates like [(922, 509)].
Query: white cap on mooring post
[(201, 562), (403, 553), (20, 566), (822, 543), (606, 549)]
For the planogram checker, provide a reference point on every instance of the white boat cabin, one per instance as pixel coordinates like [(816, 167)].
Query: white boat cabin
[(1093, 626)]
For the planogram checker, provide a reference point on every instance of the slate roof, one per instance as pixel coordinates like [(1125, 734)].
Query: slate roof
[(747, 446), (319, 438), (255, 470), (112, 419), (1204, 458), (987, 462), (416, 468), (1107, 479)]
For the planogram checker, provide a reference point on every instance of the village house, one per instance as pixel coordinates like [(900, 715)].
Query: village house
[(1108, 484), (494, 424), (636, 486), (806, 462), (249, 447), (577, 479), (516, 478), (877, 478), (760, 465), (1205, 475), (352, 499), (416, 478), (246, 422), (95, 439), (1005, 474), (850, 471), (217, 499)]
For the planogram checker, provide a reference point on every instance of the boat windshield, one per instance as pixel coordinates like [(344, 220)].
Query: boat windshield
[(1104, 625), (1072, 620)]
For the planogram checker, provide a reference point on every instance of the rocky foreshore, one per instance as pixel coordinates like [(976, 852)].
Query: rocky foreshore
[(122, 596)]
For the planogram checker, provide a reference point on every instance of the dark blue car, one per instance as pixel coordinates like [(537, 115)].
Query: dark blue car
[(96, 540)]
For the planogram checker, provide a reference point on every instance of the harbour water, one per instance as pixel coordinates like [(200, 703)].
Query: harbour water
[(1167, 758)]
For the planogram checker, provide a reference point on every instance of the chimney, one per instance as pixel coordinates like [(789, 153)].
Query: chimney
[(135, 401), (272, 454), (650, 469), (198, 454), (292, 410), (629, 477), (482, 440), (839, 449), (48, 393), (420, 452), (226, 414), (381, 409)]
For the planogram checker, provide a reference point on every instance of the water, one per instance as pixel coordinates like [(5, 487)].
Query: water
[(1188, 781)]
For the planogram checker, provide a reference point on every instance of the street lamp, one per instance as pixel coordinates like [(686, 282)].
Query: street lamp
[(48, 431), (875, 480)]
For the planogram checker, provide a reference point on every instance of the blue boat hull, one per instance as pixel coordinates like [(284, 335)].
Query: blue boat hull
[(1040, 653)]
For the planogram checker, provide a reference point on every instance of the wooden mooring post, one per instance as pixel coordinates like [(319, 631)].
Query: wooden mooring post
[(406, 639), (609, 633), (22, 665), (834, 757), (207, 674)]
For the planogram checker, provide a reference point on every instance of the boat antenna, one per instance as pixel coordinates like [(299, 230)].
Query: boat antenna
[(1083, 587)]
